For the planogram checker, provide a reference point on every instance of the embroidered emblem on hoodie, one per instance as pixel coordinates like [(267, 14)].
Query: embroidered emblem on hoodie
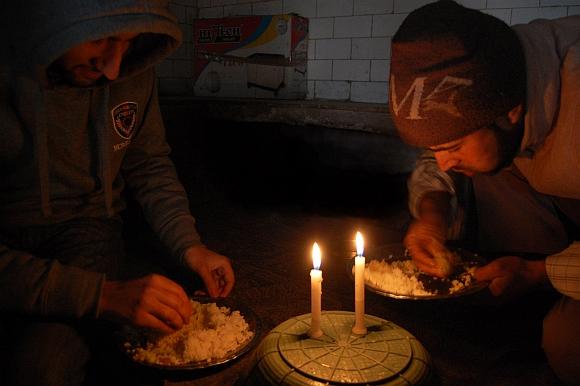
[(125, 119)]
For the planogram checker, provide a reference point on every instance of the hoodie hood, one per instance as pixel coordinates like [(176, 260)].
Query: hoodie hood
[(43, 31)]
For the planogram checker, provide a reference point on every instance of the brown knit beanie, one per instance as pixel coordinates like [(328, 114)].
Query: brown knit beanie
[(453, 70)]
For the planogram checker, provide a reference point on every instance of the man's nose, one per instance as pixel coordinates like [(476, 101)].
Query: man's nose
[(445, 161), (112, 59)]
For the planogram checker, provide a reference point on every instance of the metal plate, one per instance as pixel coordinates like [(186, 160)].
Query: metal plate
[(439, 288), (131, 338)]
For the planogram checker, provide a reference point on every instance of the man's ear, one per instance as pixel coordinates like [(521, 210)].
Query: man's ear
[(507, 122), (515, 114)]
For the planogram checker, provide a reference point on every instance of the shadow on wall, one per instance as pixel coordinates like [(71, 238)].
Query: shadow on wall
[(320, 169)]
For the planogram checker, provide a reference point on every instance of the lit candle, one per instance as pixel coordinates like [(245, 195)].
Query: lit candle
[(315, 293), (359, 327)]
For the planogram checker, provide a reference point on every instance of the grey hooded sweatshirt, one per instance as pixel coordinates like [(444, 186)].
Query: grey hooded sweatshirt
[(69, 152)]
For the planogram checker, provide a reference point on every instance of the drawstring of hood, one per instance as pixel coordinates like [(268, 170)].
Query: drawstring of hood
[(42, 158), (101, 125)]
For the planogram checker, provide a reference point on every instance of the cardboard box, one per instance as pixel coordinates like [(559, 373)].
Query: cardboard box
[(251, 57)]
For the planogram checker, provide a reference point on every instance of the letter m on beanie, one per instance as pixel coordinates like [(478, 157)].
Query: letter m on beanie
[(442, 97)]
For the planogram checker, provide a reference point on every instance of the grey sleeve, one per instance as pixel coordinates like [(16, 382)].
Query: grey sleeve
[(152, 179), (427, 177), (35, 286)]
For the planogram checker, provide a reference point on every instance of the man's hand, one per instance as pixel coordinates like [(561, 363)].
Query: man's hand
[(214, 269), (153, 301), (425, 240), (426, 236), (511, 276)]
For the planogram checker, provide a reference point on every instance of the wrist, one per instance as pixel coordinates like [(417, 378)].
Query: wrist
[(435, 220), (192, 250), (536, 272), (434, 209), (104, 300), (194, 254)]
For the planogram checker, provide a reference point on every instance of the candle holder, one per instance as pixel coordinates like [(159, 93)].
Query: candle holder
[(386, 355), (359, 330), (315, 333)]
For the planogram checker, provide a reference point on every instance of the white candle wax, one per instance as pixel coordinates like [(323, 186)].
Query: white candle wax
[(359, 327), (315, 294), (316, 302)]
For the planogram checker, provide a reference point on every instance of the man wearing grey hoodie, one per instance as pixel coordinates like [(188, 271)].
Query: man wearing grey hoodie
[(79, 125), (496, 109)]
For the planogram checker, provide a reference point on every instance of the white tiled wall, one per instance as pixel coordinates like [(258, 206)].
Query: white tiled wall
[(175, 73), (349, 45)]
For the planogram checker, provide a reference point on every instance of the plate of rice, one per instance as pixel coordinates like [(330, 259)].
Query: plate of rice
[(390, 271), (219, 331)]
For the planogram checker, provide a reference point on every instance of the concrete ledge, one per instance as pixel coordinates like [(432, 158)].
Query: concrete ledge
[(372, 118)]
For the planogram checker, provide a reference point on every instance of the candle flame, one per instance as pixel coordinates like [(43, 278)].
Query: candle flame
[(316, 257), (359, 244)]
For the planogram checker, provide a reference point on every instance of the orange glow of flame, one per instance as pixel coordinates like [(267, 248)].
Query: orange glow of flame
[(360, 243), (316, 256)]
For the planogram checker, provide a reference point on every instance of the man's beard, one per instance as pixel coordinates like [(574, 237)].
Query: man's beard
[(508, 143)]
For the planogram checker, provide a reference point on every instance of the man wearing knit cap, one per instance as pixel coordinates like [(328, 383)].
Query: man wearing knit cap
[(496, 109), (79, 125)]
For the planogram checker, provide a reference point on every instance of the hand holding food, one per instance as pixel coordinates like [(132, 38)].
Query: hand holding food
[(425, 241), (446, 262), (212, 334)]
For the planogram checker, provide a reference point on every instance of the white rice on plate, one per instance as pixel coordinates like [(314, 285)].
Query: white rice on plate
[(402, 277), (212, 333)]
